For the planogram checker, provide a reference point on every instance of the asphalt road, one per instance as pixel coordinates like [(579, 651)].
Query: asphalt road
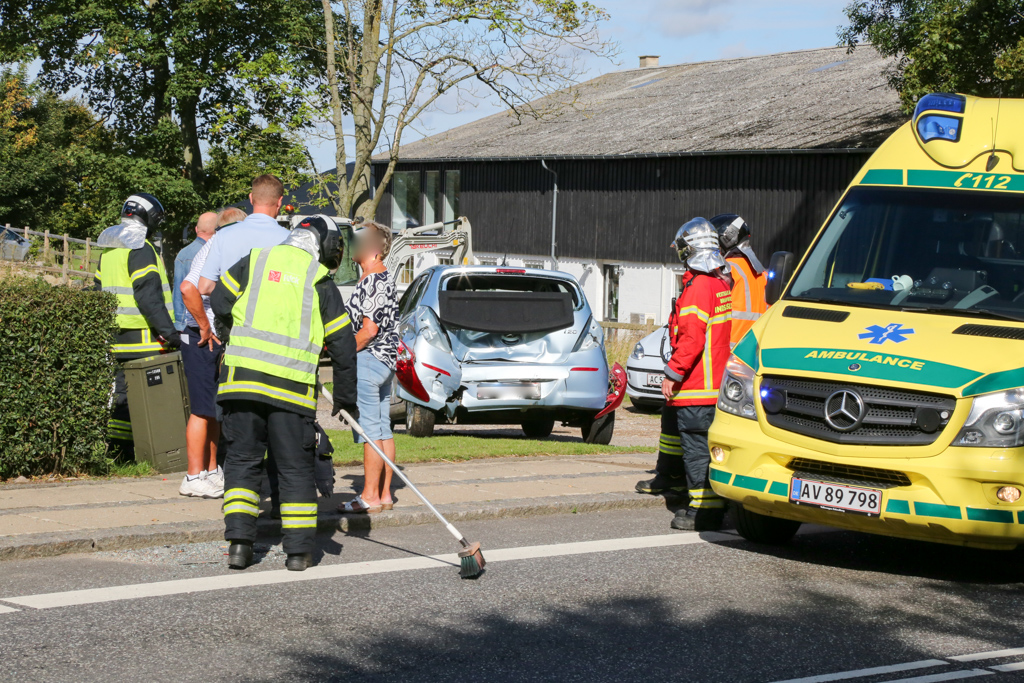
[(677, 607)]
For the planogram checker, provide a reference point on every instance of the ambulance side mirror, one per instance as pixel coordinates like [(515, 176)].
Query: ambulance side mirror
[(780, 270)]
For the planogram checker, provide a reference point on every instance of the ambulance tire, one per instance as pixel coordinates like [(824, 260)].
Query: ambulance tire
[(763, 529), (599, 431), (419, 421)]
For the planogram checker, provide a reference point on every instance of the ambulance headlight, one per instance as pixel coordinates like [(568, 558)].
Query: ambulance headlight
[(736, 395), (996, 421)]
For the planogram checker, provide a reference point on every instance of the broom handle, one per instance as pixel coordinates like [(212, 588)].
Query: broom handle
[(359, 430)]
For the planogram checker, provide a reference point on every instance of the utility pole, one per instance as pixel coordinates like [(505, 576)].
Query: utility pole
[(554, 214)]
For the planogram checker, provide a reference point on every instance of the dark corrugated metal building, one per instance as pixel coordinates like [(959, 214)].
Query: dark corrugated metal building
[(639, 152)]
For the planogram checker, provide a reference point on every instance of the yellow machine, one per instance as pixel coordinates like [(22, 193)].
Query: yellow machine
[(884, 389)]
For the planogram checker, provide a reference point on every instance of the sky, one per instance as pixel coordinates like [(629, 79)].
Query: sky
[(679, 31)]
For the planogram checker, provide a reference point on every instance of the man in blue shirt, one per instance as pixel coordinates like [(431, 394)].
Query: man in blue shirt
[(260, 229), (205, 227)]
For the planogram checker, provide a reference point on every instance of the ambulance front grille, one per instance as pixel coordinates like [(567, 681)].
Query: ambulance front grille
[(851, 475), (892, 417)]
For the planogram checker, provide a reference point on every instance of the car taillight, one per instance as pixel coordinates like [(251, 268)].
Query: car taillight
[(405, 371)]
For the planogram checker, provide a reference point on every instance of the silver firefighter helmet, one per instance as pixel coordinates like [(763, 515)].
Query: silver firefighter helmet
[(697, 245), (734, 237)]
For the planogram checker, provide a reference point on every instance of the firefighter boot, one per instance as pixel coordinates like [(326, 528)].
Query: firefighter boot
[(299, 562), (240, 554), (661, 484)]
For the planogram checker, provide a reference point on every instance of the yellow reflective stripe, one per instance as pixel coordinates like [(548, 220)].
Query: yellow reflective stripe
[(693, 310), (143, 272), (273, 392), (294, 509), (231, 283), (671, 438), (341, 322), (242, 494), (242, 507), (298, 523), (119, 423), (695, 393)]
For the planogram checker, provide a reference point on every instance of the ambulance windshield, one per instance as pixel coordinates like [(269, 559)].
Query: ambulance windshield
[(960, 252)]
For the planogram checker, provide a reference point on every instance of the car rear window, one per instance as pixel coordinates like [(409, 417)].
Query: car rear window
[(486, 282)]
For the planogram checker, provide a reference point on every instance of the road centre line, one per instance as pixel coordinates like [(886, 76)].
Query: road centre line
[(266, 578), (874, 671), (948, 676), (4, 609), (992, 654)]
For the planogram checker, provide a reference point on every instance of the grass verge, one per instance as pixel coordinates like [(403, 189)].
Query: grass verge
[(457, 448), (131, 469)]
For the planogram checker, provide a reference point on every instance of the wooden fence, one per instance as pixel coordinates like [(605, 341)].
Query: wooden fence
[(58, 254)]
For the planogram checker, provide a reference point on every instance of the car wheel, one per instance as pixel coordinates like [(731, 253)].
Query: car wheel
[(599, 431), (762, 528), (419, 421), (649, 407), (538, 427)]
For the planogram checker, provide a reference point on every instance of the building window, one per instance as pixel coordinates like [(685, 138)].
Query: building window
[(452, 188), (611, 293), (432, 197), (406, 272), (534, 264), (488, 261), (446, 259), (405, 200)]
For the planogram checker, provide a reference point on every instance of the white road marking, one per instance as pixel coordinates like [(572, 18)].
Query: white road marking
[(992, 654), (1014, 666), (4, 609), (333, 571), (875, 671), (950, 676)]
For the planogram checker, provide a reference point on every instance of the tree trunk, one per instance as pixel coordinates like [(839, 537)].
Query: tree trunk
[(193, 155)]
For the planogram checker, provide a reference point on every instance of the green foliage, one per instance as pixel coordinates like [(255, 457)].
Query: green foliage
[(55, 378), (974, 47)]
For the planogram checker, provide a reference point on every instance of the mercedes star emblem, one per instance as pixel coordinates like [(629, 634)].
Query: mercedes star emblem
[(845, 410)]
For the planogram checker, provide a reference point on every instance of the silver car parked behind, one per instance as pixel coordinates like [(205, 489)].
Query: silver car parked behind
[(497, 345)]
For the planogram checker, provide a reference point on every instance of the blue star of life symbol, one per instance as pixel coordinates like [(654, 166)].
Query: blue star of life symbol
[(894, 332)]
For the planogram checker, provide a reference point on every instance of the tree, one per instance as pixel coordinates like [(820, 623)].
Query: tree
[(64, 171), (969, 46), (392, 60), (204, 67)]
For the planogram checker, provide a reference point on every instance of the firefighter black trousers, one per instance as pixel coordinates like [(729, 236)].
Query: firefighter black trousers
[(288, 439), (683, 451)]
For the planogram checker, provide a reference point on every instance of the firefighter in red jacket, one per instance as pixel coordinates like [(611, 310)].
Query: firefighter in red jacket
[(699, 330)]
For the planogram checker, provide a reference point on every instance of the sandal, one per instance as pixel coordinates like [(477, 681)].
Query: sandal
[(358, 506), (387, 506)]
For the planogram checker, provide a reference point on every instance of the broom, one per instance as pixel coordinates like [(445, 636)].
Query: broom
[(471, 560)]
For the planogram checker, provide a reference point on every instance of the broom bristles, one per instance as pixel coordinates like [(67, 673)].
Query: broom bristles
[(472, 562)]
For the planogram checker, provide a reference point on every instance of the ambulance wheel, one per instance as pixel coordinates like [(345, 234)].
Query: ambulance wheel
[(599, 431), (419, 421), (538, 427), (763, 529)]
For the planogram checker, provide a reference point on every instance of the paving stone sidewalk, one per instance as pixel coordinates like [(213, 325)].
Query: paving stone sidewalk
[(52, 519)]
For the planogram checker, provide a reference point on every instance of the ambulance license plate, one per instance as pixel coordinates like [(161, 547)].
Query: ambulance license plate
[(654, 379), (837, 497)]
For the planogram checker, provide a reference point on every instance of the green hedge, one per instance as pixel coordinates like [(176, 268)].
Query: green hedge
[(55, 378)]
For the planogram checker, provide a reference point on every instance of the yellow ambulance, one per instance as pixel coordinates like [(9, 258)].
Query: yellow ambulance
[(884, 389)]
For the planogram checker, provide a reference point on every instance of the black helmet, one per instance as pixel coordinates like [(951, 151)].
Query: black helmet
[(144, 207), (329, 237), (732, 230)]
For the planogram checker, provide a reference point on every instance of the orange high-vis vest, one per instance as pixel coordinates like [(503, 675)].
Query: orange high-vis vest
[(748, 302)]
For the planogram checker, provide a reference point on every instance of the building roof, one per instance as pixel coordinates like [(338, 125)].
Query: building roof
[(807, 100)]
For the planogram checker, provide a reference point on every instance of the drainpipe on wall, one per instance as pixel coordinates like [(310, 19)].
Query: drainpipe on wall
[(554, 213)]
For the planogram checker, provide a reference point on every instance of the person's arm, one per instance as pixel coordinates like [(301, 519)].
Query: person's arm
[(340, 344), (366, 297), (693, 311), (226, 293), (149, 291), (179, 304), (194, 300), (210, 272)]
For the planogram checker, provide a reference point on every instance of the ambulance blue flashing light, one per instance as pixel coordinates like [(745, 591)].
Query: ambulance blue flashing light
[(935, 127), (941, 101)]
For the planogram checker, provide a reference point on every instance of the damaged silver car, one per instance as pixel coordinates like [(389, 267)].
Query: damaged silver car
[(497, 345)]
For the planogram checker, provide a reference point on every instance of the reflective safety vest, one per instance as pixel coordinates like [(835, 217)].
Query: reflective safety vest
[(277, 327), (748, 302), (115, 278)]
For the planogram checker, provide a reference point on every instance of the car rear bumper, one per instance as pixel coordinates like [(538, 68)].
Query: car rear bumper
[(950, 497)]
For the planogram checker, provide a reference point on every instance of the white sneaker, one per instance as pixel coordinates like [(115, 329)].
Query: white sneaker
[(217, 479), (200, 488)]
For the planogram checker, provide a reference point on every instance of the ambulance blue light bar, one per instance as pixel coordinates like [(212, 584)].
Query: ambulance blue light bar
[(941, 101), (936, 127)]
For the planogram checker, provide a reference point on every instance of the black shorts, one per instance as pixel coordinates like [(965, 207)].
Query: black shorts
[(202, 367)]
